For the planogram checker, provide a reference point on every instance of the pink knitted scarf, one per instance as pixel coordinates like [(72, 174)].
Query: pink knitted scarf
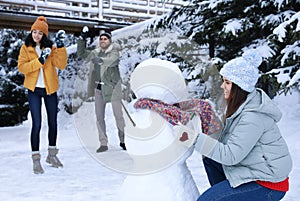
[(183, 111)]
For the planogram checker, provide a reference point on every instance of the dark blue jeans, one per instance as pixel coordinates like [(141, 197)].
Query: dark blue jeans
[(35, 105), (221, 189)]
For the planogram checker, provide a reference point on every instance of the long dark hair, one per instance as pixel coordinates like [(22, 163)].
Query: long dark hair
[(236, 98), (45, 42)]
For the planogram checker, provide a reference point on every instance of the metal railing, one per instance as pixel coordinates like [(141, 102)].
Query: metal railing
[(112, 10)]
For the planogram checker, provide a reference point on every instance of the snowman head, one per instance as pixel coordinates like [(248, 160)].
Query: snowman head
[(159, 79)]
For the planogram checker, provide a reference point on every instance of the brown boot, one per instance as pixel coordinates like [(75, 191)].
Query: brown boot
[(52, 158), (37, 168)]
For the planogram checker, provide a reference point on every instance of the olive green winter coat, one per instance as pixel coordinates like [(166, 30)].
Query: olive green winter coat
[(106, 72)]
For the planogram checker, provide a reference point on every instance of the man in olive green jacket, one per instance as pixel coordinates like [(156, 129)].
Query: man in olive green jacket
[(105, 82)]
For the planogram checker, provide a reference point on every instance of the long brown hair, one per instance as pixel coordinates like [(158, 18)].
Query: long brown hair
[(236, 98), (45, 42)]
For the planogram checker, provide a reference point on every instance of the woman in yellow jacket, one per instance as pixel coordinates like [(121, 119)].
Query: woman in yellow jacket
[(38, 60)]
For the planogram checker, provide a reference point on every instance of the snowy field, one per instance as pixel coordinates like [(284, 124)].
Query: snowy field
[(85, 178)]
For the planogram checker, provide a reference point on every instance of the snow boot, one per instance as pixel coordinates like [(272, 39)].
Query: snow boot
[(52, 158), (122, 144), (102, 148), (37, 168)]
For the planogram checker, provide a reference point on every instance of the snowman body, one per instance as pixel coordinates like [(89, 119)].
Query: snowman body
[(171, 180), (160, 171)]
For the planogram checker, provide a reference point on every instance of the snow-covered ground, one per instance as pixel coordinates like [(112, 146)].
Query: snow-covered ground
[(83, 177)]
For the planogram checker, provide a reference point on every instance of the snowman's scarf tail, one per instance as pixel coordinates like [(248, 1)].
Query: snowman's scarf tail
[(183, 111)]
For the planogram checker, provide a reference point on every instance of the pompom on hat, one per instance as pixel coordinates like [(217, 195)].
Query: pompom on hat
[(243, 71), (41, 25)]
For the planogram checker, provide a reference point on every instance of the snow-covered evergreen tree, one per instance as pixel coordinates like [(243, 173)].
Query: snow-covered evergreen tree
[(150, 41), (228, 27), (13, 100), (223, 27)]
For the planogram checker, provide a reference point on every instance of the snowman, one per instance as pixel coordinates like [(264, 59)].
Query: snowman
[(158, 148)]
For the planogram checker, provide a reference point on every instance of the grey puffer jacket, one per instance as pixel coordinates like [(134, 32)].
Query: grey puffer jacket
[(107, 72), (251, 147)]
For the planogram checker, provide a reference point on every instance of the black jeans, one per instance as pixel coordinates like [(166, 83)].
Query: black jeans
[(35, 105)]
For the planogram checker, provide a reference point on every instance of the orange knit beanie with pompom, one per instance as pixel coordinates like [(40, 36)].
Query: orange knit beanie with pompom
[(41, 25)]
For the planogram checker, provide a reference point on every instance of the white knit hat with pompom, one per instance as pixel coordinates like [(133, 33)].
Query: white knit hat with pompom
[(243, 71)]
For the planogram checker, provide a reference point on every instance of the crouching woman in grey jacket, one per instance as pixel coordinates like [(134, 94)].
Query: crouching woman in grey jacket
[(250, 160)]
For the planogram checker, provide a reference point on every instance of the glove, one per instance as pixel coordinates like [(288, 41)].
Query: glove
[(97, 60), (84, 33), (44, 55), (60, 38), (185, 135)]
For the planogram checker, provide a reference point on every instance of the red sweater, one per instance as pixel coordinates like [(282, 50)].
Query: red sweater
[(278, 186)]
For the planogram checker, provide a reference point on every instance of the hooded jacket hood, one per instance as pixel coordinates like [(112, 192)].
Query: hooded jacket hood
[(259, 101)]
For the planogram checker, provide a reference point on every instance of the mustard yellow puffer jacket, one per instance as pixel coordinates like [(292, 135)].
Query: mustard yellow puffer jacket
[(29, 65)]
